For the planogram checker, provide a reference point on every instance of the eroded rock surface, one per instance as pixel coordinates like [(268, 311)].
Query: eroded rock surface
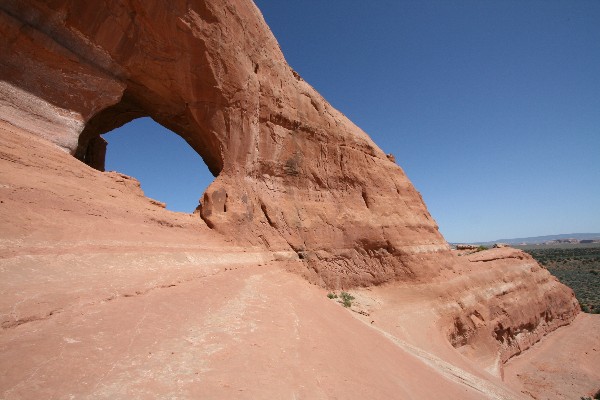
[(212, 72)]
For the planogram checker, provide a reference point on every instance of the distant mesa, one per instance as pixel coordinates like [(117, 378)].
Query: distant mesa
[(479, 246), (572, 241), (565, 238)]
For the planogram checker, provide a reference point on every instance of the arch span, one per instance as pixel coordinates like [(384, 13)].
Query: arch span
[(293, 172)]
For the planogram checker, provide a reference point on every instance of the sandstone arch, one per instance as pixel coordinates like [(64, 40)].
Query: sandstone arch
[(285, 159), (169, 171)]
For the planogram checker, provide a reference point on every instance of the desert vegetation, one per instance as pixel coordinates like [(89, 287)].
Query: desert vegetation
[(577, 266), (345, 298)]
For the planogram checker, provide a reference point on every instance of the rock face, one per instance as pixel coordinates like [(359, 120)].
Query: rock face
[(491, 308), (212, 72), (504, 317)]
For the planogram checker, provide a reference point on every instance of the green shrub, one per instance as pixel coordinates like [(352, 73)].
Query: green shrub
[(346, 299), (332, 295)]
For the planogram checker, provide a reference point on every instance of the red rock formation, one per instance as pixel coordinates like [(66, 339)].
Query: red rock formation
[(212, 72), (527, 303), (492, 307)]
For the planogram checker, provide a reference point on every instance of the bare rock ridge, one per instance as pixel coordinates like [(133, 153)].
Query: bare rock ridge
[(100, 270), (212, 72)]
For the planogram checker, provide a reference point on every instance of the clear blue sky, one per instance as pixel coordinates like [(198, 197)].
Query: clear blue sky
[(491, 107)]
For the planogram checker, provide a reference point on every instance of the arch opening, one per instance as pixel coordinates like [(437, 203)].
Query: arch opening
[(166, 166), (163, 152), (179, 119)]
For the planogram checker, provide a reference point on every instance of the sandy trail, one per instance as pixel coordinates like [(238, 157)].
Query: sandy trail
[(247, 332)]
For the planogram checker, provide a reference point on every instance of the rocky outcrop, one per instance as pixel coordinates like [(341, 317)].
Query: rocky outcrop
[(494, 306), (212, 72), (499, 312)]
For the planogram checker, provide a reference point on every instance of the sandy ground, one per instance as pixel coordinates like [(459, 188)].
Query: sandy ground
[(565, 365), (245, 332)]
